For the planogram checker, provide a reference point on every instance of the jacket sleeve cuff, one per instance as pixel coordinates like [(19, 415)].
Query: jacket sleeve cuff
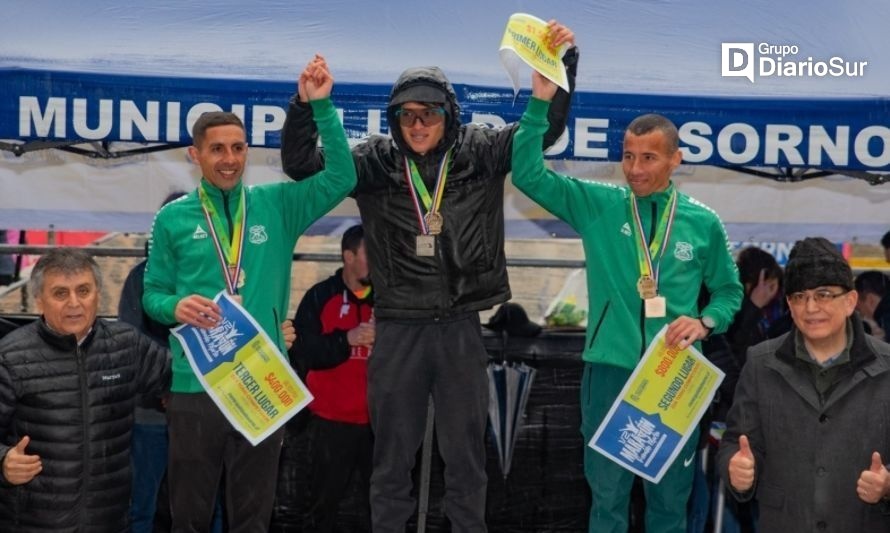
[(538, 108), (321, 106), (3, 481)]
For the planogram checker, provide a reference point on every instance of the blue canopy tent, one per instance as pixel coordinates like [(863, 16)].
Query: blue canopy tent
[(805, 93), (96, 95)]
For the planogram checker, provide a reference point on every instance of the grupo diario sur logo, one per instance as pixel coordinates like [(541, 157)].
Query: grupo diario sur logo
[(761, 60)]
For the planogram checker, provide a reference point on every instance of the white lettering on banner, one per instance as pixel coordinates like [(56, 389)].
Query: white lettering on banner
[(79, 116), (375, 125), (837, 150), (871, 145), (724, 143), (861, 146), (29, 113), (173, 121), (260, 126), (584, 136), (131, 115), (699, 149), (782, 138), (736, 143), (197, 110)]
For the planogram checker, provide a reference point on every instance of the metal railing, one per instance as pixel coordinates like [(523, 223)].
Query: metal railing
[(118, 251)]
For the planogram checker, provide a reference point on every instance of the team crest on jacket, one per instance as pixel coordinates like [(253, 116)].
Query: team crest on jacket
[(258, 234), (683, 251)]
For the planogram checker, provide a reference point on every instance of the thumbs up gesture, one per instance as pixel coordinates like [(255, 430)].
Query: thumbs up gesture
[(18, 466), (873, 483), (741, 467)]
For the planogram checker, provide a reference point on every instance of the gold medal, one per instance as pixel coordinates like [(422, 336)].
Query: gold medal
[(646, 287), (434, 221)]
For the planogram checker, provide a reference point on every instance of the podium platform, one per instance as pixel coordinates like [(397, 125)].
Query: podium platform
[(545, 490)]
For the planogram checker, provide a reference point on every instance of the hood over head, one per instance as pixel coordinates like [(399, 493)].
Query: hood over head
[(425, 85)]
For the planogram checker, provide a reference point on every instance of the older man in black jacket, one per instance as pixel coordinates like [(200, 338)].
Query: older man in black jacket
[(431, 200), (68, 384)]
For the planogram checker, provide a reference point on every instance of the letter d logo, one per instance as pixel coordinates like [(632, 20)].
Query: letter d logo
[(737, 59)]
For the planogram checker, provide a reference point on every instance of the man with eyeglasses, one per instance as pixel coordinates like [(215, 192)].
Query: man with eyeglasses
[(809, 430), (431, 198)]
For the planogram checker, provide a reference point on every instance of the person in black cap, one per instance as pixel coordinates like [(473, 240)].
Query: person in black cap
[(431, 198), (807, 433)]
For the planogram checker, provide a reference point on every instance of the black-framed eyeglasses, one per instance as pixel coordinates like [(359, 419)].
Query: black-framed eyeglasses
[(428, 116), (820, 296)]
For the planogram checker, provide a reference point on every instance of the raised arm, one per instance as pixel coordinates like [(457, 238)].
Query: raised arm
[(567, 198), (320, 192), (300, 154), (558, 114)]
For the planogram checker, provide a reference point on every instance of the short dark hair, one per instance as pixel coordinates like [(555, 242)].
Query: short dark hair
[(645, 124), (66, 260), (212, 119), (885, 240), (872, 281), (352, 239), (752, 260)]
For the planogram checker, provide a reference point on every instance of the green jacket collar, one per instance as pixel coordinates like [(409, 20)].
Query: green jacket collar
[(216, 193)]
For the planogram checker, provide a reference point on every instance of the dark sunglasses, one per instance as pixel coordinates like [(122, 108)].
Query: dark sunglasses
[(429, 116)]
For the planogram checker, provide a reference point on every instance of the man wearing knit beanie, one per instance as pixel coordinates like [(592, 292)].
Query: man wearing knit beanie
[(807, 433)]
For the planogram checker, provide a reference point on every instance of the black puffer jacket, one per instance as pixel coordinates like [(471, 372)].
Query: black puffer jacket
[(76, 404), (469, 269)]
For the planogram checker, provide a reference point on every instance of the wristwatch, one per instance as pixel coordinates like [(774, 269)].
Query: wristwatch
[(708, 323)]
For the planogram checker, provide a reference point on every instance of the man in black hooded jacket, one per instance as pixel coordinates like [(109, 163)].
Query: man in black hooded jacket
[(431, 198)]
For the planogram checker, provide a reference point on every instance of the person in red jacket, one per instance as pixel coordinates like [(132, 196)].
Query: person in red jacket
[(335, 333)]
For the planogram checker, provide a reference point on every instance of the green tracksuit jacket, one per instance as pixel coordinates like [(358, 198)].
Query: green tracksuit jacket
[(697, 253), (183, 261)]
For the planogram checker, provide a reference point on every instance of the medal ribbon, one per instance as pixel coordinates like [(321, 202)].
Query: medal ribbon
[(419, 192), (228, 253), (659, 242)]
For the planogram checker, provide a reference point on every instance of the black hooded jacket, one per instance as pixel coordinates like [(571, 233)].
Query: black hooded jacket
[(469, 270)]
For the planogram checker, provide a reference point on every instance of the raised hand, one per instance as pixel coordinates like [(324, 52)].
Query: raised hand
[(19, 467), (741, 467), (560, 34), (315, 81), (873, 483)]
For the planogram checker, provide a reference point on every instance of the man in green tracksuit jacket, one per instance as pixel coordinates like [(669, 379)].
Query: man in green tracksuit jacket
[(649, 249), (194, 255)]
